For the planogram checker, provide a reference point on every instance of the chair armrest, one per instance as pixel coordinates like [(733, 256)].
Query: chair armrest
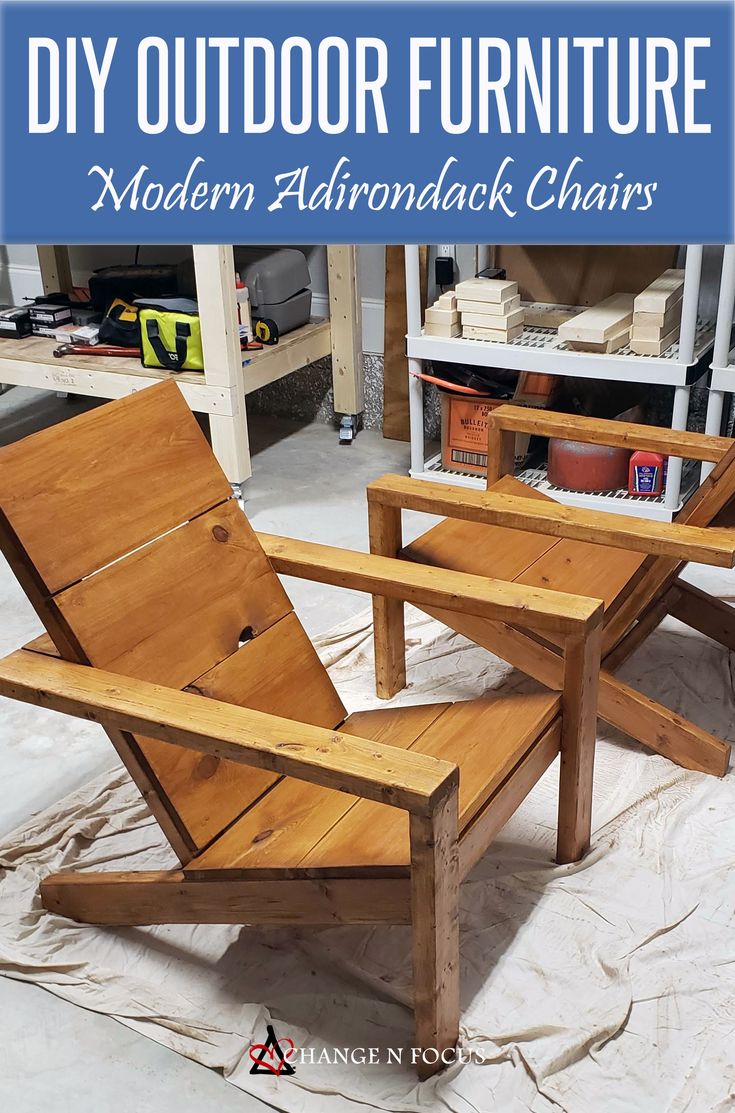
[(479, 596), (616, 434), (682, 542), (388, 774)]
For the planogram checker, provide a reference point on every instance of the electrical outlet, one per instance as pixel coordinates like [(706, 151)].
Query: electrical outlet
[(446, 249)]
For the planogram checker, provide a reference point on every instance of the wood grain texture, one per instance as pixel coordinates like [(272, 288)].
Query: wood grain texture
[(170, 897), (578, 734), (172, 610), (703, 612), (389, 632), (709, 546), (616, 434), (164, 474), (661, 294), (485, 738), (430, 586), (481, 832), (600, 323), (280, 830), (435, 922), (278, 672), (392, 776)]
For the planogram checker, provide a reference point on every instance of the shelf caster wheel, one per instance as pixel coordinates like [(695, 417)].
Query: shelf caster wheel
[(237, 491), (348, 428)]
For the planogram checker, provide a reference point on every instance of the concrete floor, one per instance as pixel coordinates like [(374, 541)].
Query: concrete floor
[(55, 1056)]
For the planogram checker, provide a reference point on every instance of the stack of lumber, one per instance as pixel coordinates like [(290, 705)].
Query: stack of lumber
[(603, 328), (490, 309), (657, 314), (442, 318)]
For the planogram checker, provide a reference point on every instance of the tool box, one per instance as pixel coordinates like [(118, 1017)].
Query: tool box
[(15, 321), (277, 282)]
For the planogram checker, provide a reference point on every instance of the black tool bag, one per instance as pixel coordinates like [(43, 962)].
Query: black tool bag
[(120, 327)]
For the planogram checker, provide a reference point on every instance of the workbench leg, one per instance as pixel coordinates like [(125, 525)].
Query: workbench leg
[(214, 267), (231, 447), (679, 419), (53, 261), (345, 312)]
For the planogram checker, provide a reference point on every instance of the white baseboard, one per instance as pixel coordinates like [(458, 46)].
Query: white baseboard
[(18, 282)]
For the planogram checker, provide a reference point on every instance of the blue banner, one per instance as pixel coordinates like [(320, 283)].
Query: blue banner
[(604, 122)]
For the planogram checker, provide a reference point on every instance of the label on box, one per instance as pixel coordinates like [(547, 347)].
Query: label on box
[(645, 479)]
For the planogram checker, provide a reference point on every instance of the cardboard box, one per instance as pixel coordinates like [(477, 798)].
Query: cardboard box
[(465, 420), (45, 314)]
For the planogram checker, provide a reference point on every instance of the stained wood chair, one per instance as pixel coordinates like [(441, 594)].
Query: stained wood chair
[(515, 533), (167, 624)]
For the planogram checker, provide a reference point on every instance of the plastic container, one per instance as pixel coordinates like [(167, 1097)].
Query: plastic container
[(646, 474), (242, 296)]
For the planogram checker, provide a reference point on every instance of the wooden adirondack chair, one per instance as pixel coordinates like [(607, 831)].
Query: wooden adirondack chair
[(517, 534), (168, 625)]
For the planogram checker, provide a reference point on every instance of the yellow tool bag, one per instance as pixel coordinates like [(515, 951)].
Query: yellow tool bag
[(170, 334)]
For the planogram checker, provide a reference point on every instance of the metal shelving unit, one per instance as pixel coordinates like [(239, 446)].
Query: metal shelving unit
[(229, 374), (541, 350), (722, 382)]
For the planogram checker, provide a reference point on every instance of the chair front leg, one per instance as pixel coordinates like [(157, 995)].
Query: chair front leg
[(389, 637), (579, 729), (435, 924)]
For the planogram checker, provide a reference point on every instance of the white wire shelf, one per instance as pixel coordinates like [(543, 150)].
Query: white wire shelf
[(615, 502), (540, 349), (723, 378)]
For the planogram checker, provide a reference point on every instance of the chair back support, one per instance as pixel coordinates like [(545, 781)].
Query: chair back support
[(122, 529)]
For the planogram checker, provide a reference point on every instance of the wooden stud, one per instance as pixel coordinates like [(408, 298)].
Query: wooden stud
[(601, 322), (389, 634), (53, 261), (345, 312), (579, 722), (171, 897), (435, 922)]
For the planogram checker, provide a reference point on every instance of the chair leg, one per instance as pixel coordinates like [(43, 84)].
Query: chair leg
[(579, 723), (388, 614), (435, 919), (704, 613)]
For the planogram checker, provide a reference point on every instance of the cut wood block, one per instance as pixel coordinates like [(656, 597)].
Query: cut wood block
[(664, 291), (541, 315), (654, 347), (438, 316), (501, 336), (488, 320), (448, 300), (664, 322), (486, 289), (489, 308), (602, 322), (448, 330), (653, 332), (603, 348)]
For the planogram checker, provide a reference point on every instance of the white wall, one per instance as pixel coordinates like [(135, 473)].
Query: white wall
[(20, 276)]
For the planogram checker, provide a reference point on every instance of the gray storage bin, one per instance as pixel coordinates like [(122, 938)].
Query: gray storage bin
[(277, 281)]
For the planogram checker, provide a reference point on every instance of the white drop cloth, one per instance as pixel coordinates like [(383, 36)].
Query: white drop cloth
[(607, 987)]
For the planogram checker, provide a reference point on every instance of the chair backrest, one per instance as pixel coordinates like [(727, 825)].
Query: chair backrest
[(122, 529)]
